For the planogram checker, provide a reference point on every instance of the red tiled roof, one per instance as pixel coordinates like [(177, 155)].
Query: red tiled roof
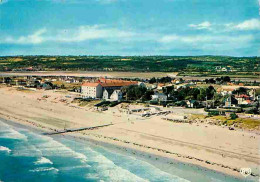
[(242, 96), (90, 84), (116, 83)]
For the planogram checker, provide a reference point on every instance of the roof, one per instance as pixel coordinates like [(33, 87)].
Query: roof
[(117, 91), (109, 91), (110, 83), (160, 94), (192, 101), (117, 83), (242, 96), (90, 84)]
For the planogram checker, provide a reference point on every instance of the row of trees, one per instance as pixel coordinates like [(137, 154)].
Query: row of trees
[(135, 92)]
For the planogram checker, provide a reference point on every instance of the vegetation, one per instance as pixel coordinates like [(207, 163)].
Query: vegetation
[(186, 65)]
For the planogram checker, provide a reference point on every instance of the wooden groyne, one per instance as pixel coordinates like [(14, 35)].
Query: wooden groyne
[(76, 129)]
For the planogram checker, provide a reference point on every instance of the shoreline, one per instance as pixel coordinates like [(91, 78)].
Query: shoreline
[(161, 162), (153, 156), (143, 135)]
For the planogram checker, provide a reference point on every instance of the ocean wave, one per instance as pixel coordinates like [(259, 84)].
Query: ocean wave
[(44, 169), (43, 160), (6, 131), (106, 169), (2, 148), (80, 156), (74, 167), (50, 147)]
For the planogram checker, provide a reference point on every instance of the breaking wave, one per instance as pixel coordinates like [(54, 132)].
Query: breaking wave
[(43, 160), (44, 169), (2, 148)]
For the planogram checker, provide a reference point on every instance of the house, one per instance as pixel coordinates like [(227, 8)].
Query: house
[(224, 69), (91, 90), (230, 102), (243, 99), (252, 93), (192, 103), (226, 91), (141, 84), (116, 95), (107, 93), (159, 97), (47, 86), (160, 86)]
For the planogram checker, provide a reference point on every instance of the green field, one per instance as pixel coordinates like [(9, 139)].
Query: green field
[(185, 65)]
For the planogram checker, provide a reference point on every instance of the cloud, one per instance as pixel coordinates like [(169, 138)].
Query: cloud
[(253, 24), (207, 42), (201, 26), (90, 33), (82, 33), (35, 38)]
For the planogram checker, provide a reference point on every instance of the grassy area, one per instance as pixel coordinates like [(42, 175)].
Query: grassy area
[(197, 116), (84, 103), (246, 123)]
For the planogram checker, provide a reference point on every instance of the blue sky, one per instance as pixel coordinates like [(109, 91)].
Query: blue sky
[(130, 27)]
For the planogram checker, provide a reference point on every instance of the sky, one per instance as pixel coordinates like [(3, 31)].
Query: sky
[(130, 27)]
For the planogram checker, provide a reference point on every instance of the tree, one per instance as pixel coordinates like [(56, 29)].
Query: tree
[(210, 92), (240, 90), (134, 92), (168, 90), (233, 116), (226, 79), (202, 95), (152, 80), (165, 79), (148, 95)]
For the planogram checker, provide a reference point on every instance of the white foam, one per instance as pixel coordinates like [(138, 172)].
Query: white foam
[(81, 156), (44, 169), (106, 169), (6, 131), (2, 148), (74, 167), (51, 147), (43, 160)]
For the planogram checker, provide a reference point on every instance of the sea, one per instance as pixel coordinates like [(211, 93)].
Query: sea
[(28, 155)]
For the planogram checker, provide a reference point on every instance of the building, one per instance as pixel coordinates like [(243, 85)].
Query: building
[(225, 91), (230, 102), (91, 90), (107, 93), (116, 95), (141, 84), (192, 103), (159, 97), (243, 99), (104, 88)]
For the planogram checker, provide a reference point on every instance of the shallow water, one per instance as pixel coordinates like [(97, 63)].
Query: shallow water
[(27, 155)]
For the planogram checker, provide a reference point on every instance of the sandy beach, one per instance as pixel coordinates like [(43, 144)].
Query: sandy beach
[(209, 146)]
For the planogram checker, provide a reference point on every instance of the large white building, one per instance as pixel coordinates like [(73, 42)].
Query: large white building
[(106, 89), (92, 90)]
